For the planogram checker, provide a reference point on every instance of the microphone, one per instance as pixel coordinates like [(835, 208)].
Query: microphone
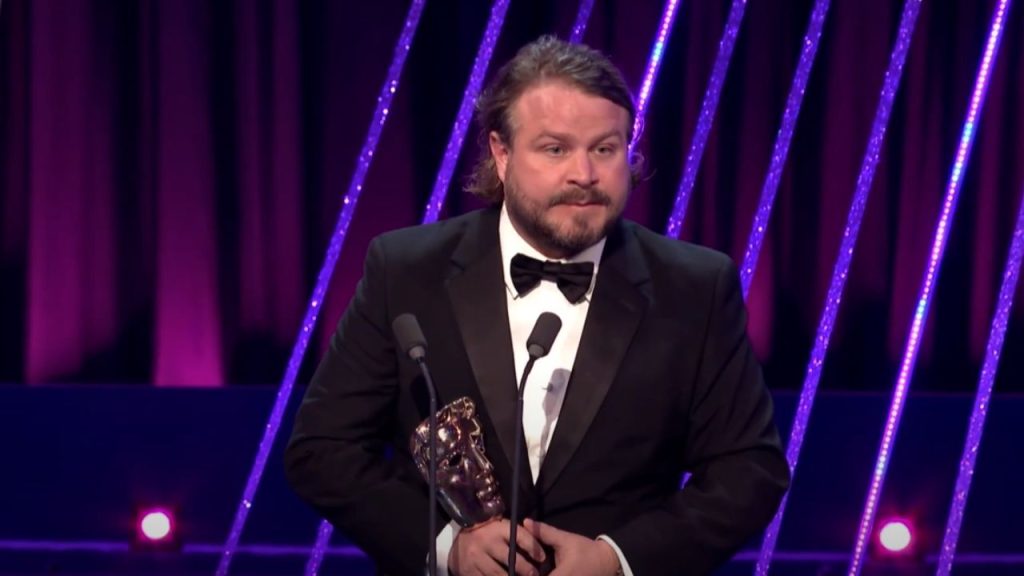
[(543, 336), (538, 344), (411, 341)]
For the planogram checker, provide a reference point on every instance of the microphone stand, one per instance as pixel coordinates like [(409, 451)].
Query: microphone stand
[(432, 451), (516, 467)]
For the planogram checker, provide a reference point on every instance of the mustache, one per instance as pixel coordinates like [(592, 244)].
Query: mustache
[(580, 196)]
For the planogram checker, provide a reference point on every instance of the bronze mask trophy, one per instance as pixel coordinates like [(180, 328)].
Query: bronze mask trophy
[(466, 485)]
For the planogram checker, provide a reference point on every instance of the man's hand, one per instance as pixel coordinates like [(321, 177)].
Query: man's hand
[(575, 554), (483, 550)]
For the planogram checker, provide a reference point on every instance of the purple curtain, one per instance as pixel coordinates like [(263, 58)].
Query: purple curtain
[(171, 172)]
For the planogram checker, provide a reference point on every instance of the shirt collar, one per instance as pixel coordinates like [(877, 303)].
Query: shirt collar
[(512, 243)]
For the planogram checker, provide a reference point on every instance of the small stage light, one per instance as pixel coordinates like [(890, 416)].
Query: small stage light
[(155, 525), (155, 529), (895, 536)]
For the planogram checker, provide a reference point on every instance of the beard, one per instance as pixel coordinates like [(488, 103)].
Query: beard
[(559, 237)]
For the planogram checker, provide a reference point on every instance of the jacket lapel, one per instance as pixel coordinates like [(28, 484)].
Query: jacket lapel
[(616, 309), (477, 293)]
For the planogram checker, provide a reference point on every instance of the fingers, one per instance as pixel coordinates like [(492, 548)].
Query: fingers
[(529, 544), (498, 549), (488, 566), (524, 567), (546, 533), (484, 551)]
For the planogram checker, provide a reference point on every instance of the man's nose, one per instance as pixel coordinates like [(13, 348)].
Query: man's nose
[(582, 172)]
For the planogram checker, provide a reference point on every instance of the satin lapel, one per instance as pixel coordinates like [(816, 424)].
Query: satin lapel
[(616, 309), (477, 294)]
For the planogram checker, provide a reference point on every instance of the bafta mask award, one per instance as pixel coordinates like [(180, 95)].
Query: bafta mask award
[(466, 485)]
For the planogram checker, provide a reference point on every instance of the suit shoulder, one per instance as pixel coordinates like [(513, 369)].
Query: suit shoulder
[(679, 255), (426, 241)]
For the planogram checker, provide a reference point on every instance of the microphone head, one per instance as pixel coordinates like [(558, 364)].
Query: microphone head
[(543, 335), (410, 337)]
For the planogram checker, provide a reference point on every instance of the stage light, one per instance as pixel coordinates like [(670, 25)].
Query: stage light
[(156, 529), (895, 536), (155, 525)]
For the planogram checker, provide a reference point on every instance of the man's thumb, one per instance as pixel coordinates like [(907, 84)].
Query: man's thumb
[(544, 532)]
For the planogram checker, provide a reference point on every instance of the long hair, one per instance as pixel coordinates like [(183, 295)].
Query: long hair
[(544, 59)]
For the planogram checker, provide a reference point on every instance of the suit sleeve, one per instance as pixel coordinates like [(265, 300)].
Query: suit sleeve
[(336, 458), (739, 473)]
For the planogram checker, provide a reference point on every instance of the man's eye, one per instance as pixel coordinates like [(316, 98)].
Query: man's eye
[(555, 150)]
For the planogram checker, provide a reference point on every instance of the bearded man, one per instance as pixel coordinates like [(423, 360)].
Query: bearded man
[(651, 377)]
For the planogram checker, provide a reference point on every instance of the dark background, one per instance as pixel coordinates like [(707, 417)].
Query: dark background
[(170, 173)]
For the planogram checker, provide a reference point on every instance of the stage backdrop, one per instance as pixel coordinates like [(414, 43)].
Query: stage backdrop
[(170, 173)]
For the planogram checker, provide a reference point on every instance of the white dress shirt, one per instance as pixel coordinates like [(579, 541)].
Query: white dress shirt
[(545, 388)]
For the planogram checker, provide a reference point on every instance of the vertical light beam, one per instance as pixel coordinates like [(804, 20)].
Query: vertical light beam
[(899, 395), (668, 17), (582, 18), (707, 115), (465, 115), (782, 140), (842, 267), (983, 395), (323, 279), (440, 191)]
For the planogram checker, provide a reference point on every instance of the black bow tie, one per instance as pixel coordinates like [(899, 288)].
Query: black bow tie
[(573, 279)]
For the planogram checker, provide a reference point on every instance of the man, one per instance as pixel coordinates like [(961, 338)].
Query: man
[(651, 375)]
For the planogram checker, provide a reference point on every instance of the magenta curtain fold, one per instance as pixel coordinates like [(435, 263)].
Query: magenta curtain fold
[(171, 171), (71, 228), (271, 205), (187, 343)]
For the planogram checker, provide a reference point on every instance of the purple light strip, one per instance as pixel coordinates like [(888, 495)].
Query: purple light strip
[(782, 140), (839, 274), (273, 550), (99, 546), (119, 547), (200, 549), (465, 115), (440, 191), (931, 276), (316, 557), (707, 116), (349, 202), (582, 17), (984, 394), (668, 17)]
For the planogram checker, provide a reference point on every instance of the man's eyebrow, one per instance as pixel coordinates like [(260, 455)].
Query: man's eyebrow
[(554, 135), (613, 133)]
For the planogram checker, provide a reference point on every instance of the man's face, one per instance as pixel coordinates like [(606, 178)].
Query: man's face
[(566, 173)]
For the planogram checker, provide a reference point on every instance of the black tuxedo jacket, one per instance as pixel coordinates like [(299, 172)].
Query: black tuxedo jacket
[(664, 382)]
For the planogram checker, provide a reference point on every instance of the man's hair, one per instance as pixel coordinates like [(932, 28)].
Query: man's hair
[(544, 59)]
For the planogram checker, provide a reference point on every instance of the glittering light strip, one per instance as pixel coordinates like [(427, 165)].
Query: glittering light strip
[(121, 547), (323, 279), (931, 276), (842, 266), (324, 531), (316, 557), (785, 136), (465, 115), (984, 394), (707, 116), (441, 183), (582, 17), (668, 17)]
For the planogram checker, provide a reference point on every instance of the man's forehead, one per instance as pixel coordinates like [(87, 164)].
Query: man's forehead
[(561, 107)]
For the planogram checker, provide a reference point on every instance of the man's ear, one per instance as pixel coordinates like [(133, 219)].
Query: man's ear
[(499, 151)]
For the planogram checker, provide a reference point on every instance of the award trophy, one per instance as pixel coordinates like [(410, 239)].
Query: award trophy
[(466, 485)]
